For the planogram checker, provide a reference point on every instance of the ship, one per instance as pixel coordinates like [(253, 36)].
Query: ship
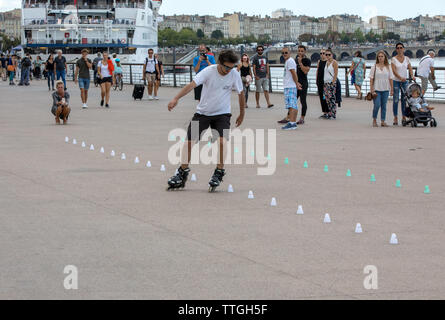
[(129, 27)]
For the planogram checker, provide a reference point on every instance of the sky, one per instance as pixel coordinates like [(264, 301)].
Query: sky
[(397, 9)]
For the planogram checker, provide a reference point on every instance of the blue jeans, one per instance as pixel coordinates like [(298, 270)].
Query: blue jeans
[(50, 79), (397, 86), (61, 74), (24, 77), (380, 102)]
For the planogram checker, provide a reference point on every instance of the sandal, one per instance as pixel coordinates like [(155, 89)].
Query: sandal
[(395, 122), (383, 124), (270, 106), (374, 124), (301, 121)]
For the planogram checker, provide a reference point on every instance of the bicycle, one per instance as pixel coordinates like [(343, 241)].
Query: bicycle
[(119, 83)]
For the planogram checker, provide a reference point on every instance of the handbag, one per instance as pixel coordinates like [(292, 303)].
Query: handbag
[(372, 96), (11, 68)]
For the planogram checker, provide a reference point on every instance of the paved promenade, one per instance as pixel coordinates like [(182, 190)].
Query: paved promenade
[(61, 204)]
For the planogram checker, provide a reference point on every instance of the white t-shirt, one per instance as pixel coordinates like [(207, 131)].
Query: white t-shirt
[(217, 90), (104, 70), (150, 64), (382, 78), (425, 66), (288, 81), (401, 68)]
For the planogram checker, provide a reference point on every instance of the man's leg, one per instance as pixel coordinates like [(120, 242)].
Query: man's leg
[(433, 82), (82, 95), (266, 95), (85, 95)]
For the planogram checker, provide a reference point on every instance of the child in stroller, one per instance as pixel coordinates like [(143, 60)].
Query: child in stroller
[(417, 110)]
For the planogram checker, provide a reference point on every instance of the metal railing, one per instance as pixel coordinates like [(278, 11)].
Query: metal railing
[(179, 75)]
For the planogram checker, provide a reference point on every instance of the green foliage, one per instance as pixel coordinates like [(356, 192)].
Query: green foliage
[(217, 34), (200, 34), (7, 43)]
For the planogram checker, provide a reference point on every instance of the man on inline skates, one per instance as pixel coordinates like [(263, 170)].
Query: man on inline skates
[(213, 110)]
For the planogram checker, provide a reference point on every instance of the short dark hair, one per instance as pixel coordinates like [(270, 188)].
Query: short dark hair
[(208, 49), (260, 46), (151, 50), (302, 47), (85, 50), (227, 56), (400, 44), (359, 54)]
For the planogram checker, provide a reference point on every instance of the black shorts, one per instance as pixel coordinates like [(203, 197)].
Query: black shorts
[(198, 91), (106, 79), (220, 123)]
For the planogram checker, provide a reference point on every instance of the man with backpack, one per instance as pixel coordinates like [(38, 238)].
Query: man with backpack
[(425, 71), (25, 68), (151, 68)]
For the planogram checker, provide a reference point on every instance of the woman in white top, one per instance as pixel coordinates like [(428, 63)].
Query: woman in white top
[(330, 81), (105, 70), (381, 87), (400, 65)]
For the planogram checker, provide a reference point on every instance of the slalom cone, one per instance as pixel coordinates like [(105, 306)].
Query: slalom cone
[(348, 173), (230, 188), (250, 196), (236, 150), (398, 184), (327, 218), (102, 150), (193, 177), (83, 144), (162, 167), (74, 141), (112, 153), (252, 153), (148, 165), (372, 178), (300, 210), (286, 160), (92, 148), (427, 190), (269, 157), (136, 160), (394, 239), (326, 168), (67, 139), (123, 157), (273, 202), (305, 165), (358, 228)]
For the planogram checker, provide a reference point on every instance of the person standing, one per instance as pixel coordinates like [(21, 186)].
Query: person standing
[(320, 85), (261, 73), (245, 70), (213, 110), (60, 67), (82, 75), (49, 66), (12, 69), (330, 83), (151, 68), (95, 62), (25, 68), (290, 84), (60, 108), (160, 74), (200, 62), (38, 68), (105, 70), (400, 65), (381, 87), (358, 73), (3, 67), (425, 71)]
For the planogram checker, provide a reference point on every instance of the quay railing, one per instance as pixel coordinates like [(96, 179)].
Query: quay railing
[(179, 75)]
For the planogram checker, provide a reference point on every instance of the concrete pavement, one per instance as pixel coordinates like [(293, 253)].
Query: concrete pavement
[(130, 239)]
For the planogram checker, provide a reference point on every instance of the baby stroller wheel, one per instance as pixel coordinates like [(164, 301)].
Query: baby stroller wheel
[(414, 123), (433, 123), (425, 123), (404, 123)]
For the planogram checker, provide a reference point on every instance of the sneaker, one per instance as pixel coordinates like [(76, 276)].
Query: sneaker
[(101, 103), (290, 126), (107, 106), (150, 97), (84, 106), (283, 121), (437, 88), (301, 121), (156, 98)]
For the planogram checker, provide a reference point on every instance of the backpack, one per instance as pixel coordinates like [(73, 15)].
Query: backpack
[(26, 62)]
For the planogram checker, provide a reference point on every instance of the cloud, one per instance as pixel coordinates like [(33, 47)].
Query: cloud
[(6, 5), (369, 12)]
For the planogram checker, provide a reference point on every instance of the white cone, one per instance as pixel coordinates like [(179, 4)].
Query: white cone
[(273, 202), (102, 150), (162, 167), (394, 239), (123, 157), (148, 164), (112, 153), (327, 218), (193, 177), (250, 196), (300, 210), (67, 139), (136, 160), (74, 141), (83, 144), (358, 228), (91, 147), (230, 188)]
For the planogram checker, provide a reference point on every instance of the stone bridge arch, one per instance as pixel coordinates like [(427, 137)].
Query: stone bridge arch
[(420, 53), (315, 57), (441, 53), (409, 54)]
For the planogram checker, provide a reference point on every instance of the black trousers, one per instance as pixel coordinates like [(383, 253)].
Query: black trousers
[(302, 94), (324, 104)]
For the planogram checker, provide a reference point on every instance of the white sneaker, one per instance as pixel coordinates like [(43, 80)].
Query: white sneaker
[(156, 98), (150, 97), (84, 106)]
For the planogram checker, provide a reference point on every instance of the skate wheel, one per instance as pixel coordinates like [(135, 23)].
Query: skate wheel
[(212, 189)]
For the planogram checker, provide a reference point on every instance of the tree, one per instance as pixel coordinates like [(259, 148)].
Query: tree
[(305, 37), (200, 34), (359, 36), (217, 34), (7, 43)]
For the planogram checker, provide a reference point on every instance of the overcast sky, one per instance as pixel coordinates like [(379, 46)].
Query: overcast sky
[(398, 9)]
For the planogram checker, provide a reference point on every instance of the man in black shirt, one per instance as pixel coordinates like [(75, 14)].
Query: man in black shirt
[(3, 67), (60, 67)]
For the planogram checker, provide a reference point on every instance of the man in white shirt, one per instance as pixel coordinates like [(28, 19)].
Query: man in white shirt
[(213, 110), (149, 73), (425, 71), (290, 84)]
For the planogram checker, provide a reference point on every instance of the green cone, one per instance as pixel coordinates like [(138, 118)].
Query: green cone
[(427, 190), (372, 178), (348, 173), (326, 168), (305, 165)]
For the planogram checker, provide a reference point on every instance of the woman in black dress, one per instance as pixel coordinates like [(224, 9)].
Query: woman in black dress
[(244, 68), (320, 84)]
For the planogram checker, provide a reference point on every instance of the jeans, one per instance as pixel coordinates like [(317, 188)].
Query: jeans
[(50, 77), (380, 102), (11, 76), (24, 77), (61, 74), (397, 88)]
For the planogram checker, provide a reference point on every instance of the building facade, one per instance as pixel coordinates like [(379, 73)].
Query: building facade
[(10, 23)]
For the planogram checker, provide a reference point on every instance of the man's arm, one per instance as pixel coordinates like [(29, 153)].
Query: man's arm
[(304, 68), (242, 101), (143, 70), (294, 76), (267, 70), (184, 91), (89, 64), (433, 75)]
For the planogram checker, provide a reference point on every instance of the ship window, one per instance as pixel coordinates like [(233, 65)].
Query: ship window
[(143, 17)]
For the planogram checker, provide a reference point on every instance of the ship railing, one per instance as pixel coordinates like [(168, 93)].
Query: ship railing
[(179, 75)]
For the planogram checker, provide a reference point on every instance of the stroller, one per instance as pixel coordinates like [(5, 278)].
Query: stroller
[(415, 116)]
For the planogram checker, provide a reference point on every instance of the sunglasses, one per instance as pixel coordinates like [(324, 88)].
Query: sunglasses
[(328, 54), (399, 48), (284, 52), (322, 53), (227, 67), (260, 50)]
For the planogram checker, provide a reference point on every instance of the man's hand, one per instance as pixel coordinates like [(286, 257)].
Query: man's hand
[(240, 119), (299, 86), (257, 78), (172, 104)]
